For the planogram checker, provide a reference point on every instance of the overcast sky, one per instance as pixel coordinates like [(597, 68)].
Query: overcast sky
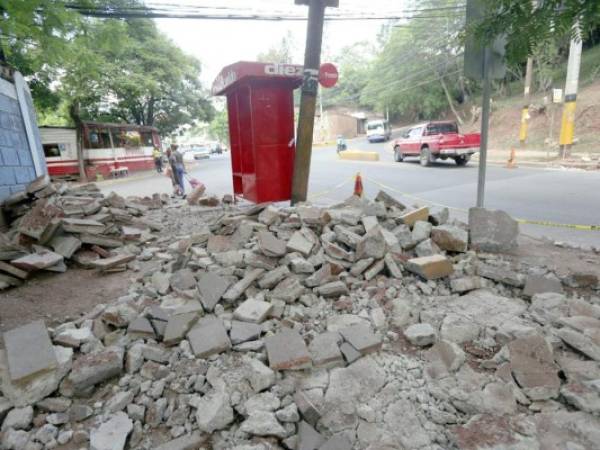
[(218, 43)]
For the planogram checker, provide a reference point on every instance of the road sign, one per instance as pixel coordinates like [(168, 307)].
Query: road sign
[(328, 75), (475, 51), (557, 95)]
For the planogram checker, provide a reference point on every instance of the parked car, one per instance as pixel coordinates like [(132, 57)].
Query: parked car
[(215, 148), (196, 152), (437, 140), (379, 130)]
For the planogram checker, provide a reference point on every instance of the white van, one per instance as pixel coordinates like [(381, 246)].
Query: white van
[(378, 130)]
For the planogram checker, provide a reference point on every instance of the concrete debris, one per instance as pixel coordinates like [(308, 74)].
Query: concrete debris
[(252, 328), (492, 231)]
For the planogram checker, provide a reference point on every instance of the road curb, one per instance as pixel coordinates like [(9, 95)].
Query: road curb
[(358, 155)]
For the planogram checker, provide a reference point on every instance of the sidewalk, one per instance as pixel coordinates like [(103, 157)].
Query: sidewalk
[(541, 158)]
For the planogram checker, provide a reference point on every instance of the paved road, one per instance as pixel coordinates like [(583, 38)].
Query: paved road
[(563, 196)]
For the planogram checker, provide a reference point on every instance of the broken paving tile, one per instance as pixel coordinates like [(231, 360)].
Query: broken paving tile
[(12, 270), (82, 226), (349, 352), (208, 337), (362, 338), (244, 332), (325, 351), (182, 280), (113, 261), (29, 350), (337, 442), (269, 245), (409, 218), (308, 410), (300, 243), (251, 310), (211, 288), (140, 328), (430, 267), (286, 350), (236, 291), (177, 327), (37, 261), (65, 245), (333, 289), (538, 284), (99, 240)]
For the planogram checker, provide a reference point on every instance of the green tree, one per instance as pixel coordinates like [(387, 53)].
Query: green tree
[(218, 128)]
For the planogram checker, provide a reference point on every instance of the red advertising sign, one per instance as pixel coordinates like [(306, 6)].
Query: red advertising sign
[(328, 75)]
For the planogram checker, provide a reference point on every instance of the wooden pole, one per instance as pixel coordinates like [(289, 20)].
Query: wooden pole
[(308, 100)]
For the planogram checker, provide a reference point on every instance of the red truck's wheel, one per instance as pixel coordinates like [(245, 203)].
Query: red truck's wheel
[(398, 156), (425, 157), (462, 160)]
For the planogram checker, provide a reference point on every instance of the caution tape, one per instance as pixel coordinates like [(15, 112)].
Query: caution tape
[(544, 223)]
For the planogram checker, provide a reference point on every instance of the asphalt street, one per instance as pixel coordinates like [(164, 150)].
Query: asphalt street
[(561, 196)]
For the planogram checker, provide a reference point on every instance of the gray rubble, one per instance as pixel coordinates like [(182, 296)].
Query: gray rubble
[(364, 325)]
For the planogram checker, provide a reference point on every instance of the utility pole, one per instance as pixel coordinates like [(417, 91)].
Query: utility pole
[(485, 124), (308, 98), (567, 129), (526, 101)]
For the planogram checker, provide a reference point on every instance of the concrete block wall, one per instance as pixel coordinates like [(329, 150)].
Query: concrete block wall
[(17, 165)]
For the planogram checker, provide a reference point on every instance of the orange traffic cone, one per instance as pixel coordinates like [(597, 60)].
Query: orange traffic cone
[(512, 161), (358, 186)]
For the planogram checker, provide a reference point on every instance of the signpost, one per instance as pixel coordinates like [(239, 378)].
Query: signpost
[(308, 98), (483, 63)]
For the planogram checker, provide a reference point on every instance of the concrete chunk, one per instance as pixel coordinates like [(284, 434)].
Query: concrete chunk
[(286, 350), (255, 311), (37, 261), (273, 277), (29, 350), (371, 245), (349, 352), (93, 368), (236, 291), (362, 338), (65, 245), (450, 238), (269, 245), (12, 270), (113, 261), (420, 334), (209, 337), (178, 326), (300, 243), (190, 441), (409, 218), (325, 351), (492, 231), (211, 288), (333, 289), (430, 267), (140, 328), (112, 434), (244, 332), (82, 226), (537, 284)]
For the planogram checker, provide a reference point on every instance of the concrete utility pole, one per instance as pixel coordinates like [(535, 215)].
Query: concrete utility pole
[(485, 125), (526, 101), (308, 99), (567, 129)]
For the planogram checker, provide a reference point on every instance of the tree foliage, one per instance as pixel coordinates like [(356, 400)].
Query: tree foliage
[(282, 53), (102, 69)]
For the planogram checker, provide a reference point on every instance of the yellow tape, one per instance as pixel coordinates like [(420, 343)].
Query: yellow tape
[(546, 223)]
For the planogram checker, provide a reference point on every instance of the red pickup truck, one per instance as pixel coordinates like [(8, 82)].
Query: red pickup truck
[(436, 140)]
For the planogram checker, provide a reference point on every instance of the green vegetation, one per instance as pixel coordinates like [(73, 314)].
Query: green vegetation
[(101, 69)]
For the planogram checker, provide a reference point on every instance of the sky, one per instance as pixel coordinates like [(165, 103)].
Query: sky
[(217, 43)]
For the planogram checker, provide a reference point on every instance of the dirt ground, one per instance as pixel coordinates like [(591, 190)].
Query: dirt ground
[(57, 298)]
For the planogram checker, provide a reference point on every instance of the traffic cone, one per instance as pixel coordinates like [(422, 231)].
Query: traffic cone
[(512, 161), (358, 186)]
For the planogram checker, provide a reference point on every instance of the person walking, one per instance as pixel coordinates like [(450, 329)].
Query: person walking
[(157, 155), (173, 171), (180, 168)]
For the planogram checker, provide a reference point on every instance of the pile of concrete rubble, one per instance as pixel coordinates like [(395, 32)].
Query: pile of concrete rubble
[(365, 325), (49, 224)]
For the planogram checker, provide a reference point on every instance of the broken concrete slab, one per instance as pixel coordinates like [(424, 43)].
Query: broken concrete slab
[(103, 265), (286, 350), (300, 243), (140, 328), (100, 240), (375, 269), (65, 245), (269, 245), (438, 215), (219, 244), (160, 282), (492, 231), (244, 332), (450, 238), (236, 291), (214, 412), (289, 290), (430, 267), (12, 270), (392, 266), (182, 279), (254, 311), (263, 423), (466, 284), (71, 225), (273, 277), (29, 351), (587, 342), (409, 218), (112, 434), (308, 410), (178, 326), (208, 337), (538, 284), (362, 338), (211, 288), (532, 365), (333, 289), (93, 368), (420, 334), (324, 350), (191, 441), (371, 245), (37, 261)]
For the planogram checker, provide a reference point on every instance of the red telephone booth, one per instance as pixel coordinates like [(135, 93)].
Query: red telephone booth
[(260, 106)]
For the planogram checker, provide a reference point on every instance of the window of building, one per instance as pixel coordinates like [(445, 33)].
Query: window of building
[(52, 150)]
